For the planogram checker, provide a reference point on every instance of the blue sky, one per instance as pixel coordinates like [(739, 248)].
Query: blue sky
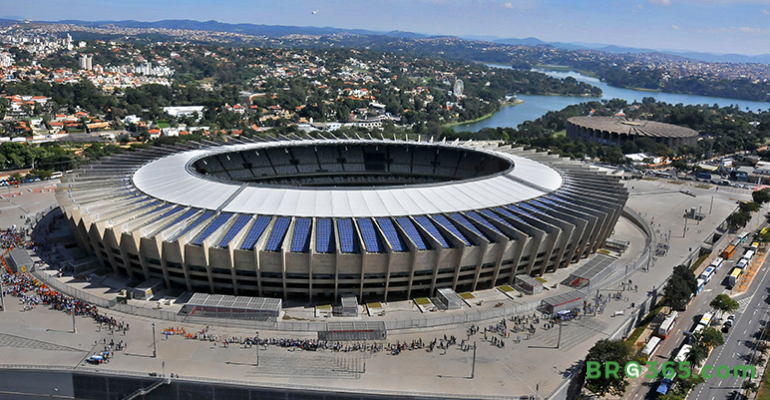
[(717, 26)]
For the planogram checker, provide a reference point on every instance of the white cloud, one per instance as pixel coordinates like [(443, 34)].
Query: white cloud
[(676, 27), (661, 2), (746, 29), (765, 12), (507, 5)]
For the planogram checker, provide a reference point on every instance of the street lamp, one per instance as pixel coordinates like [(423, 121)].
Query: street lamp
[(154, 343), (257, 348)]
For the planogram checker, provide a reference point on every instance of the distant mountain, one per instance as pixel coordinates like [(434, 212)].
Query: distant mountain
[(530, 41)]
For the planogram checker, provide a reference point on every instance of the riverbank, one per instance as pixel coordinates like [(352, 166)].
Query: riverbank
[(486, 116)]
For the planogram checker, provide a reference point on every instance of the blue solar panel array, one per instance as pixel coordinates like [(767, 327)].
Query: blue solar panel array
[(275, 241), (161, 208), (517, 209), (156, 202), (541, 205), (464, 221), (508, 214), (187, 214), (478, 218), (391, 234), (300, 243), (213, 226), (206, 215), (444, 221), (239, 223), (369, 235), (426, 223), (348, 242), (411, 231), (255, 232), (324, 240), (528, 207)]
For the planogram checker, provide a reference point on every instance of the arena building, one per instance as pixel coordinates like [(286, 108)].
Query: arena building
[(316, 219), (614, 130)]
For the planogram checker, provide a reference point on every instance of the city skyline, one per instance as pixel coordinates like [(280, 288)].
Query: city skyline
[(714, 26)]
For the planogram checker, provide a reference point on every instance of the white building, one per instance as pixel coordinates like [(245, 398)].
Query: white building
[(184, 111)]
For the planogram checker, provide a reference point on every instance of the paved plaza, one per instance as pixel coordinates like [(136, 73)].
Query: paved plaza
[(530, 367)]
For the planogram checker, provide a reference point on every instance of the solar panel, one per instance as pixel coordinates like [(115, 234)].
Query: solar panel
[(541, 205), (369, 235), (213, 226), (161, 208), (348, 242), (426, 223), (462, 220), (206, 215), (239, 223), (275, 241), (391, 234), (324, 240), (257, 228), (478, 218), (411, 231), (519, 210), (508, 214), (300, 243), (187, 214), (444, 221), (156, 202)]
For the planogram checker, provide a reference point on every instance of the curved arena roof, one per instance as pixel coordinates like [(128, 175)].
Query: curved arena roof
[(639, 128)]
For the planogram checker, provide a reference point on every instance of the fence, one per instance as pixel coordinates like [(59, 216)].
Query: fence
[(62, 287)]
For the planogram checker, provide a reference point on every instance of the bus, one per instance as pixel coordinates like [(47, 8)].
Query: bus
[(729, 251), (755, 246), (652, 346), (748, 255), (708, 274), (682, 355), (717, 264), (733, 278), (56, 175), (743, 237), (705, 320), (701, 282), (667, 325)]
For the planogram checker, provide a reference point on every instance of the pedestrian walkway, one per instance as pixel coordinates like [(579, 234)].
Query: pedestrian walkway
[(7, 340)]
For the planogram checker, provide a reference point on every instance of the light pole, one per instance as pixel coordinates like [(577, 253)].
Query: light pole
[(74, 327), (257, 348), (473, 366), (2, 297), (154, 343)]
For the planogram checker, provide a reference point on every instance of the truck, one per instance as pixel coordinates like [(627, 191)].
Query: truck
[(703, 175), (729, 251), (734, 275)]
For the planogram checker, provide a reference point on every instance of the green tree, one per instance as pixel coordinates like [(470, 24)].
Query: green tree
[(761, 196), (738, 220), (724, 304), (16, 177), (749, 207), (710, 337), (696, 355), (680, 287), (749, 386), (604, 351)]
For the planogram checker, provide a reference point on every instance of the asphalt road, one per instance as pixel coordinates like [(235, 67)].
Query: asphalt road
[(752, 315), (735, 341)]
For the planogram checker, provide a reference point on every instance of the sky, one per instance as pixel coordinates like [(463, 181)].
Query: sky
[(714, 26)]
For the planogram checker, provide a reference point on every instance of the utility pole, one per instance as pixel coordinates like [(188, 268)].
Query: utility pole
[(473, 365), (154, 343), (74, 327), (700, 208), (558, 344), (712, 204), (596, 302), (257, 348), (684, 233)]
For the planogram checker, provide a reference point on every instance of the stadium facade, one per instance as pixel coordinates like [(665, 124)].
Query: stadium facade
[(320, 218), (615, 131)]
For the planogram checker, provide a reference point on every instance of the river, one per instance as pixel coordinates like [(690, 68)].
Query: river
[(535, 106)]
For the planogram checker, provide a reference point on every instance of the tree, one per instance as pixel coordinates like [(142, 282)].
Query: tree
[(761, 196), (724, 304), (680, 287), (710, 337), (696, 355), (738, 219), (15, 177), (604, 351), (749, 207), (749, 386)]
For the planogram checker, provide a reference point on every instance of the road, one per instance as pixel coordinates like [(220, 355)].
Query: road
[(752, 314), (643, 388)]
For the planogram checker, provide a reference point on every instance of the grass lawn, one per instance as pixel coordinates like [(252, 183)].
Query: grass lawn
[(506, 288), (325, 307), (423, 301), (541, 280), (560, 133), (467, 296), (374, 305), (698, 262), (162, 125), (764, 389)]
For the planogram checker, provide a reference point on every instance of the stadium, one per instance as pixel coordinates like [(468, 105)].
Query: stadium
[(314, 219), (615, 131)]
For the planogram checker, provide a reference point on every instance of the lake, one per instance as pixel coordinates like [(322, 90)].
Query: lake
[(535, 106)]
